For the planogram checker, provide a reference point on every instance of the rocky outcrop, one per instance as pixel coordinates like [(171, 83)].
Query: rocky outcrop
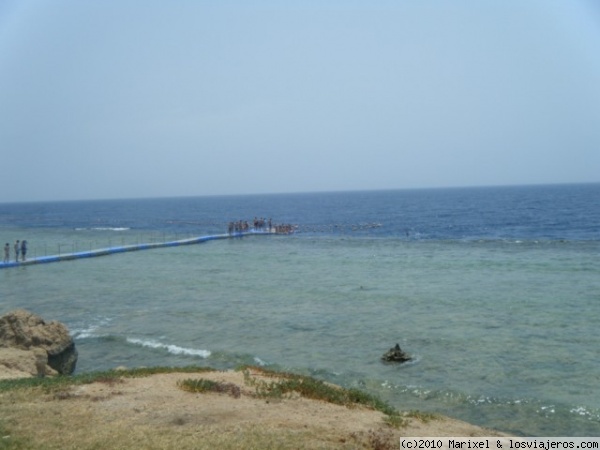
[(395, 354), (30, 345), (17, 363)]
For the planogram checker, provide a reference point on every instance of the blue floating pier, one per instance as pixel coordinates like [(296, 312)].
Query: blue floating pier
[(127, 248)]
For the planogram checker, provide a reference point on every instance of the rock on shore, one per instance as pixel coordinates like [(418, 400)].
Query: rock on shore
[(30, 346)]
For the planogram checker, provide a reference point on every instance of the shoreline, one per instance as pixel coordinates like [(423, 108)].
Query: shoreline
[(129, 411)]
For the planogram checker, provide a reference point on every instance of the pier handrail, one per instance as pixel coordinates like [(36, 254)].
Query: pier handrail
[(128, 248)]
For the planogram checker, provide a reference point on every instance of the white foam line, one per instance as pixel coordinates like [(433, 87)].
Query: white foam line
[(174, 349)]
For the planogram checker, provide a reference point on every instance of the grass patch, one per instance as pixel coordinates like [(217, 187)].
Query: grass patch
[(201, 385), (396, 420), (286, 383), (10, 442), (422, 416), (51, 384)]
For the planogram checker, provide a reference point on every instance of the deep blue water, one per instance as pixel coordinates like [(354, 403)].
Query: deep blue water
[(566, 212), (494, 291)]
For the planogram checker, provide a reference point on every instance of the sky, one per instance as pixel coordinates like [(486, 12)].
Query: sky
[(144, 98)]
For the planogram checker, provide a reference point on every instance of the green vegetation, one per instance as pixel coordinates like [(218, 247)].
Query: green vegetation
[(288, 383), (9, 442), (50, 384), (202, 385), (422, 416)]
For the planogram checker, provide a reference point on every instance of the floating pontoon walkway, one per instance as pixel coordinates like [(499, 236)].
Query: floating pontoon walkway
[(127, 248)]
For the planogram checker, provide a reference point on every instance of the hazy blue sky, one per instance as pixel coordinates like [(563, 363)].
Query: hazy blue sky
[(109, 99)]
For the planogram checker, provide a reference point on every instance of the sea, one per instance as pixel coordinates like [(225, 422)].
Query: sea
[(494, 292)]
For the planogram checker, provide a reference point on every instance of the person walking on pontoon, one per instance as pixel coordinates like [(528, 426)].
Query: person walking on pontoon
[(6, 253), (17, 250)]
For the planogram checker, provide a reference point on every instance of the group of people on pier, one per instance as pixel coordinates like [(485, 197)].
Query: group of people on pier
[(259, 224), (20, 248)]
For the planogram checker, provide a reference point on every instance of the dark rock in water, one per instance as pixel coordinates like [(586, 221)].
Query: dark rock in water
[(64, 362), (49, 341), (395, 354)]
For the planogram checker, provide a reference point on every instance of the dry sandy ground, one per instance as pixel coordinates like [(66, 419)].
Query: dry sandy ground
[(154, 413)]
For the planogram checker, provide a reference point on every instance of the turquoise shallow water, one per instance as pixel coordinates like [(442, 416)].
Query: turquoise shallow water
[(503, 334), (494, 292)]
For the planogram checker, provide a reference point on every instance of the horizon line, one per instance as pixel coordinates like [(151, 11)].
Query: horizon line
[(333, 191)]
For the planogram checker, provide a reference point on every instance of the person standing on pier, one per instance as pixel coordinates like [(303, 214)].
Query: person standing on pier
[(23, 250), (6, 252), (17, 250)]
